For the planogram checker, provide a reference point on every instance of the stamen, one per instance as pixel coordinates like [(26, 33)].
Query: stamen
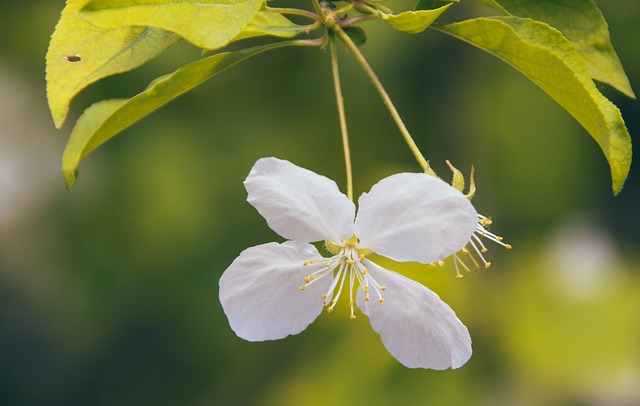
[(351, 279), (342, 278), (479, 241), (455, 262), (345, 264), (475, 247)]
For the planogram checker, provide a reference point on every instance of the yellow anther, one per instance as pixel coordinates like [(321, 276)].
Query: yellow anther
[(484, 250), (508, 246), (329, 309), (306, 279), (432, 265), (361, 256), (441, 263), (487, 265), (459, 276), (350, 261), (498, 238), (365, 288), (464, 250), (305, 263), (328, 265), (312, 277), (364, 272), (324, 297), (381, 300), (352, 316), (367, 298), (485, 222), (383, 287), (302, 287)]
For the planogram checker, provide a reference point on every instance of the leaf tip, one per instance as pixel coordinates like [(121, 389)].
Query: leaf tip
[(70, 177)]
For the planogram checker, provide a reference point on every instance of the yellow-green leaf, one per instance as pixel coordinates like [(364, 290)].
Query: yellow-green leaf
[(104, 120), (582, 22), (266, 22), (547, 58), (81, 53), (414, 22), (209, 24)]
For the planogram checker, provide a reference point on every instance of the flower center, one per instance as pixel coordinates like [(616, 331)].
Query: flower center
[(345, 264)]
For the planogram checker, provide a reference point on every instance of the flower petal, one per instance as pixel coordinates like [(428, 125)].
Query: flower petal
[(299, 204), (259, 291), (414, 217), (415, 325)]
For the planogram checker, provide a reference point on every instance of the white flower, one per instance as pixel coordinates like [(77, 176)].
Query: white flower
[(273, 290)]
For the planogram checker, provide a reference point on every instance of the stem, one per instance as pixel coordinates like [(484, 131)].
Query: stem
[(295, 11), (342, 115), (383, 93), (318, 8)]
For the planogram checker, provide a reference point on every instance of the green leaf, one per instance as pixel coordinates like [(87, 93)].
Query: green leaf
[(433, 4), (105, 119), (582, 22), (266, 22), (547, 58), (495, 5), (81, 53), (357, 35), (208, 24), (414, 22)]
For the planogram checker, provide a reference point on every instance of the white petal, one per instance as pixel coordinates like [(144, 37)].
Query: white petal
[(415, 325), (259, 291), (414, 217), (299, 204)]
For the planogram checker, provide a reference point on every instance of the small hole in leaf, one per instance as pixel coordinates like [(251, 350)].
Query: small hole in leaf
[(73, 58)]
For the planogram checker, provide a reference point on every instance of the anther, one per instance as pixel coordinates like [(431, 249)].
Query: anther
[(329, 309), (361, 256), (302, 287), (305, 263), (352, 316), (350, 261), (364, 272), (508, 246), (306, 279), (383, 287), (432, 265), (487, 265), (484, 250), (459, 276), (381, 300)]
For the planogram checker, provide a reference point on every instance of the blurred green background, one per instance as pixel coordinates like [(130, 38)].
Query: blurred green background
[(108, 292)]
